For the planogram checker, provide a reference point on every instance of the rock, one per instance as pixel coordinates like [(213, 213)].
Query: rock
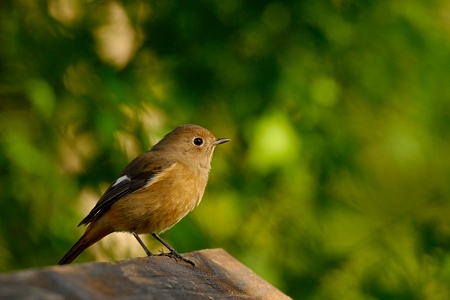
[(217, 275)]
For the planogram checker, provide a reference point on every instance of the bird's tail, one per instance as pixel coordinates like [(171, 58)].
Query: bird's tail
[(91, 236)]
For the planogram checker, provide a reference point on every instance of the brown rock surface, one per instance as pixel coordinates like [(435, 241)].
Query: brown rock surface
[(217, 275)]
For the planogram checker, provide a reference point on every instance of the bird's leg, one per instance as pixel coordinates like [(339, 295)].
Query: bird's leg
[(173, 253), (142, 244)]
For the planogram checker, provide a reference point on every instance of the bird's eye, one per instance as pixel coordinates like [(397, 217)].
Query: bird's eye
[(198, 141)]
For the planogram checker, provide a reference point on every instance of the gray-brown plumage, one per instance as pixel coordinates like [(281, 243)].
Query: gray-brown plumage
[(155, 190)]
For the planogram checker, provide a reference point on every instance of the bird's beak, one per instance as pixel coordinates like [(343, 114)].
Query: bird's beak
[(219, 141)]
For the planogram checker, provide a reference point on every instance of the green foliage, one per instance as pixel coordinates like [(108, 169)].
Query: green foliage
[(336, 182)]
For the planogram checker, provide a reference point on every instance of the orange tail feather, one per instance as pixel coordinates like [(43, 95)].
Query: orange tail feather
[(90, 237)]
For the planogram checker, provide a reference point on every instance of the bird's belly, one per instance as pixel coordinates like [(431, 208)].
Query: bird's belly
[(155, 208)]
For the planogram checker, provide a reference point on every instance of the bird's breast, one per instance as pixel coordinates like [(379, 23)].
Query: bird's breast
[(162, 203)]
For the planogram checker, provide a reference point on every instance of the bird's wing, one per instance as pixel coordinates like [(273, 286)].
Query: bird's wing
[(124, 185)]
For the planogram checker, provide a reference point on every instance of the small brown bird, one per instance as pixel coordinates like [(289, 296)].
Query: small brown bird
[(155, 190)]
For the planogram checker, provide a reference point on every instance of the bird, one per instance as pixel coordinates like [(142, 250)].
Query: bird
[(154, 191)]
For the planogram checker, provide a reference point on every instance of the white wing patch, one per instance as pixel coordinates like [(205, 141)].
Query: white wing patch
[(120, 179)]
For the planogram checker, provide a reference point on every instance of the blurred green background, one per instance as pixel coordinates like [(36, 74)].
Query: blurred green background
[(336, 184)]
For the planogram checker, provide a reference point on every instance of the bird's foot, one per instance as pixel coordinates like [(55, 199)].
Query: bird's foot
[(177, 257)]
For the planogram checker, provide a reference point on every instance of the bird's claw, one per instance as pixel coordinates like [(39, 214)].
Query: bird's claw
[(177, 257)]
